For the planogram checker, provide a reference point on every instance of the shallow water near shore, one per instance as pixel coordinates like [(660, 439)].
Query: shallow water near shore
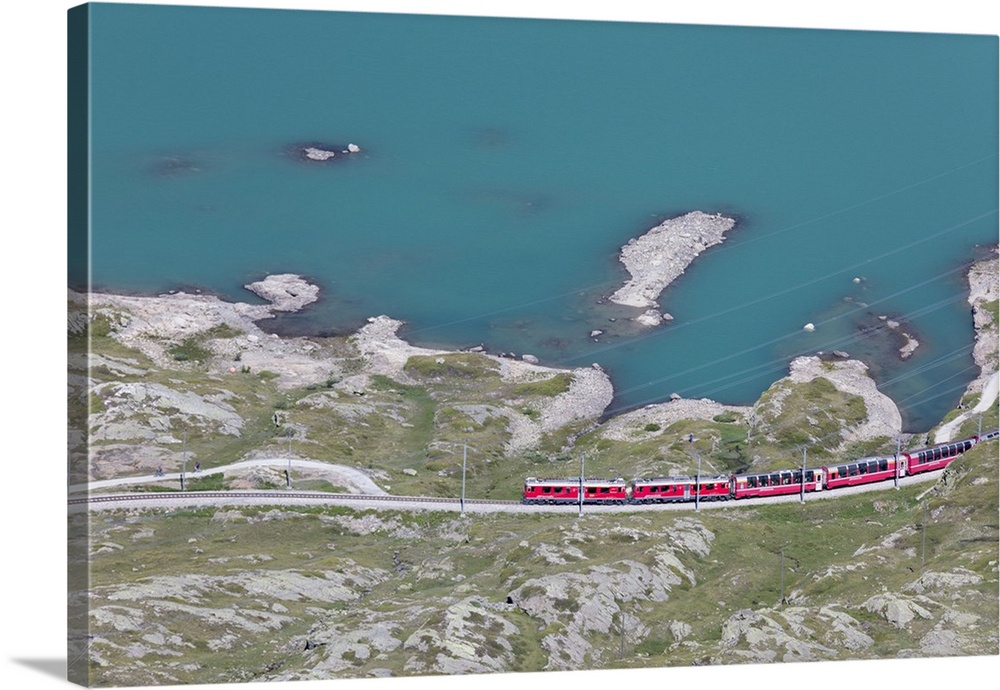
[(506, 161)]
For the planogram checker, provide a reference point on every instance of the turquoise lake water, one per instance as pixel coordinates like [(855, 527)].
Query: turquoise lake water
[(507, 160)]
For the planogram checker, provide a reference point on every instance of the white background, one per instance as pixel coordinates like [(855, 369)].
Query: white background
[(32, 367)]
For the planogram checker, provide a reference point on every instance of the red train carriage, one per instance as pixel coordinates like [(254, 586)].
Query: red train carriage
[(936, 457), (864, 471), (679, 489), (775, 483), (595, 491)]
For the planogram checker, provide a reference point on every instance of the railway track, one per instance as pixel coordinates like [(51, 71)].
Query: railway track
[(175, 499), (282, 496)]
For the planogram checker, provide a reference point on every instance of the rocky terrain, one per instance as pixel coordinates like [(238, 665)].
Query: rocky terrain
[(176, 378), (258, 593), (984, 294), (266, 593)]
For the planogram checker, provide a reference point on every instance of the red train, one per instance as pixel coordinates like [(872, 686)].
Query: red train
[(678, 489), (555, 491), (760, 484)]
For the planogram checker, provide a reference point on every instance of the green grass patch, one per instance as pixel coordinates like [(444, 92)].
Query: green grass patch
[(993, 309), (190, 350), (209, 482), (551, 387), (451, 366), (221, 331)]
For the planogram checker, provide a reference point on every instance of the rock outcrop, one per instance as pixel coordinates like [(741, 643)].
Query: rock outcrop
[(657, 258), (285, 291)]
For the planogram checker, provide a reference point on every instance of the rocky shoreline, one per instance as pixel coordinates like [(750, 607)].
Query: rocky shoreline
[(155, 325), (984, 288), (661, 255)]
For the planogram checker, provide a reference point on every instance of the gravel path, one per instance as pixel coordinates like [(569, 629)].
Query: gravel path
[(947, 431), (354, 480)]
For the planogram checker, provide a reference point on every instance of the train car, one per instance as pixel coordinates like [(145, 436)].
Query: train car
[(679, 489), (556, 491), (777, 483), (936, 457), (864, 471)]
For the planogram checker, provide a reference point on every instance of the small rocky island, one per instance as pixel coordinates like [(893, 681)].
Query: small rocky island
[(657, 258), (324, 153)]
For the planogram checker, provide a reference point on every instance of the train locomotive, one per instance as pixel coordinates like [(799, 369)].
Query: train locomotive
[(868, 470)]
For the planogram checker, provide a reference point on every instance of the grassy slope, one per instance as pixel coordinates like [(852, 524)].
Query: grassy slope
[(428, 562)]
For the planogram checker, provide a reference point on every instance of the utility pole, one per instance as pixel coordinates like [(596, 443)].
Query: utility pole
[(923, 538), (288, 472), (802, 494), (465, 448), (895, 474), (979, 434), (782, 600), (697, 482), (185, 460), (582, 457)]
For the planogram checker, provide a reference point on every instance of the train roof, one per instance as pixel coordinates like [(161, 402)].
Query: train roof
[(575, 480), (667, 480), (781, 471)]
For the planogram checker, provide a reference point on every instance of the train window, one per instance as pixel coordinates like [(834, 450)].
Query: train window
[(937, 453), (558, 489), (852, 470), (605, 490), (775, 480), (752, 482), (546, 490), (810, 476), (883, 465), (591, 490), (966, 445)]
